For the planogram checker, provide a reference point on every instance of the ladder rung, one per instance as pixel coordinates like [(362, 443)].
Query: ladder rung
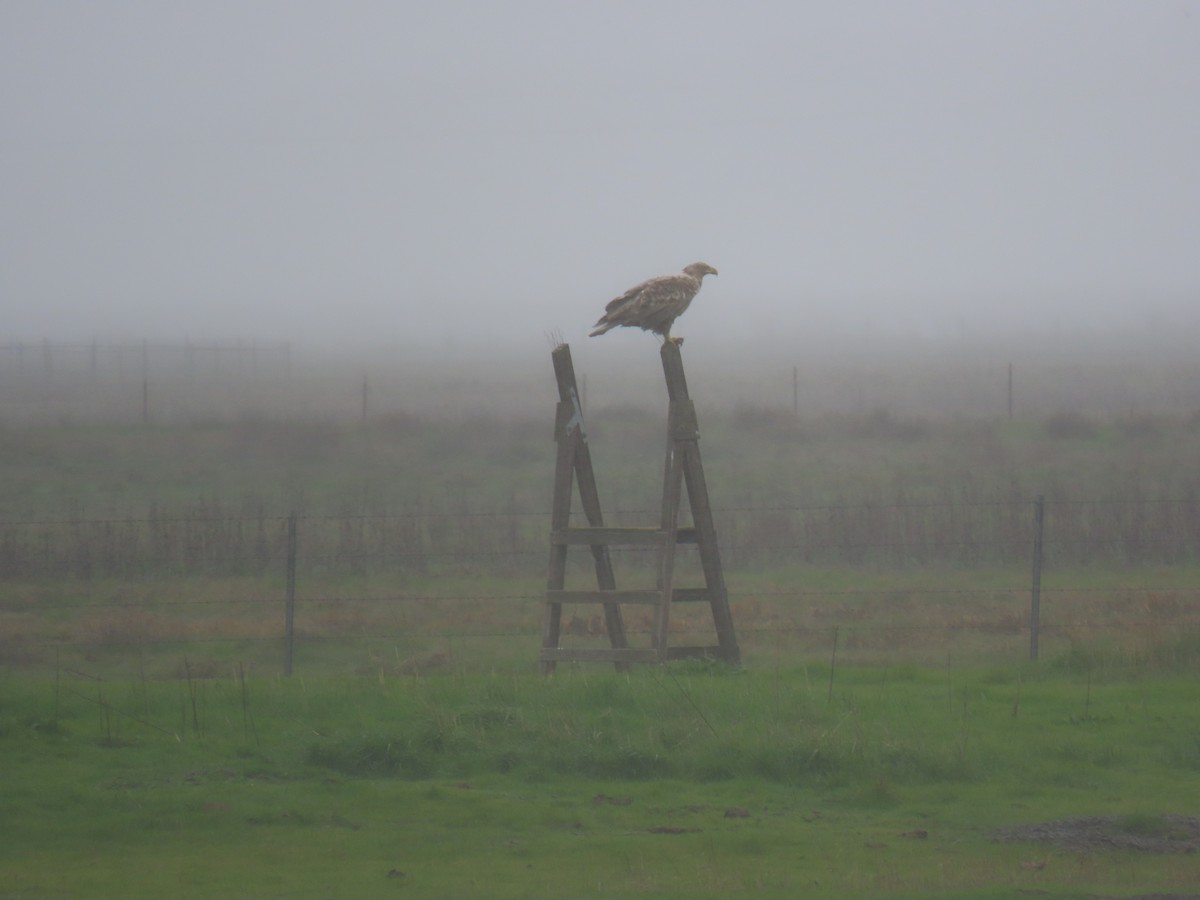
[(651, 597), (679, 595), (611, 654), (633, 536)]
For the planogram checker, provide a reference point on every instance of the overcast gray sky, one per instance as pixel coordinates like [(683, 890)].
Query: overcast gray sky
[(426, 172)]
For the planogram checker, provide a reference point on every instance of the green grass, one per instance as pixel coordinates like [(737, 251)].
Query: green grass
[(384, 624), (885, 781), (148, 748)]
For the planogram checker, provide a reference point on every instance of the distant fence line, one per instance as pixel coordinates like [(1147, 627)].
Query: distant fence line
[(970, 534), (301, 556), (174, 381), (45, 357), (111, 381)]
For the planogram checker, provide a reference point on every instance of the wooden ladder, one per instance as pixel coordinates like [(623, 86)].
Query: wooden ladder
[(682, 469)]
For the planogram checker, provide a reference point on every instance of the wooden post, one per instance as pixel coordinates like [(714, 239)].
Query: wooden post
[(145, 381), (573, 463), (290, 613), (1010, 393), (685, 436), (672, 495), (1035, 602)]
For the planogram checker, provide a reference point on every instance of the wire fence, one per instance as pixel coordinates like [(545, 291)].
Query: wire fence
[(412, 591), (201, 540)]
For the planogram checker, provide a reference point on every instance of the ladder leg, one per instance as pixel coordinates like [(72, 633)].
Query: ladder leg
[(589, 498), (710, 556), (672, 493), (560, 515)]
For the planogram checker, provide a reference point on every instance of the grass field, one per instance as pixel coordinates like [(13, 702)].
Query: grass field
[(886, 736), (689, 781)]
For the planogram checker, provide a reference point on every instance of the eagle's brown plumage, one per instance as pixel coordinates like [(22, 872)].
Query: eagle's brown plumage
[(654, 305)]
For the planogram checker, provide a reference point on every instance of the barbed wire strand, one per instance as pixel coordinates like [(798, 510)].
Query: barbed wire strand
[(544, 514)]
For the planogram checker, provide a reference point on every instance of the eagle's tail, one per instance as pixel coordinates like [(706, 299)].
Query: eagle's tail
[(603, 327)]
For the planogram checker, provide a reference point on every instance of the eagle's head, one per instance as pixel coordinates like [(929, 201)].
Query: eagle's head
[(699, 269)]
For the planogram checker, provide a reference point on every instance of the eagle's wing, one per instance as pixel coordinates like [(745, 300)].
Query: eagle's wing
[(648, 302)]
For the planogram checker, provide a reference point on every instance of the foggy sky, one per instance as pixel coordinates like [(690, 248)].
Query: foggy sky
[(442, 173)]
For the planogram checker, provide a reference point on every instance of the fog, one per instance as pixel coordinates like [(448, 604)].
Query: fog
[(452, 178)]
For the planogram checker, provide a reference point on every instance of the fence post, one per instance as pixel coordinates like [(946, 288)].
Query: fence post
[(290, 614), (145, 381), (1035, 600), (1010, 393)]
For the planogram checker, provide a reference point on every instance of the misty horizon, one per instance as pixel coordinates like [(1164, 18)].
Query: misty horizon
[(432, 175)]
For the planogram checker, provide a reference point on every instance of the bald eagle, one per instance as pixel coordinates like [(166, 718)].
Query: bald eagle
[(654, 305)]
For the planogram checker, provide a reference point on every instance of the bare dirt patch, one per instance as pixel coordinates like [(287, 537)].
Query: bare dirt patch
[(1089, 834)]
